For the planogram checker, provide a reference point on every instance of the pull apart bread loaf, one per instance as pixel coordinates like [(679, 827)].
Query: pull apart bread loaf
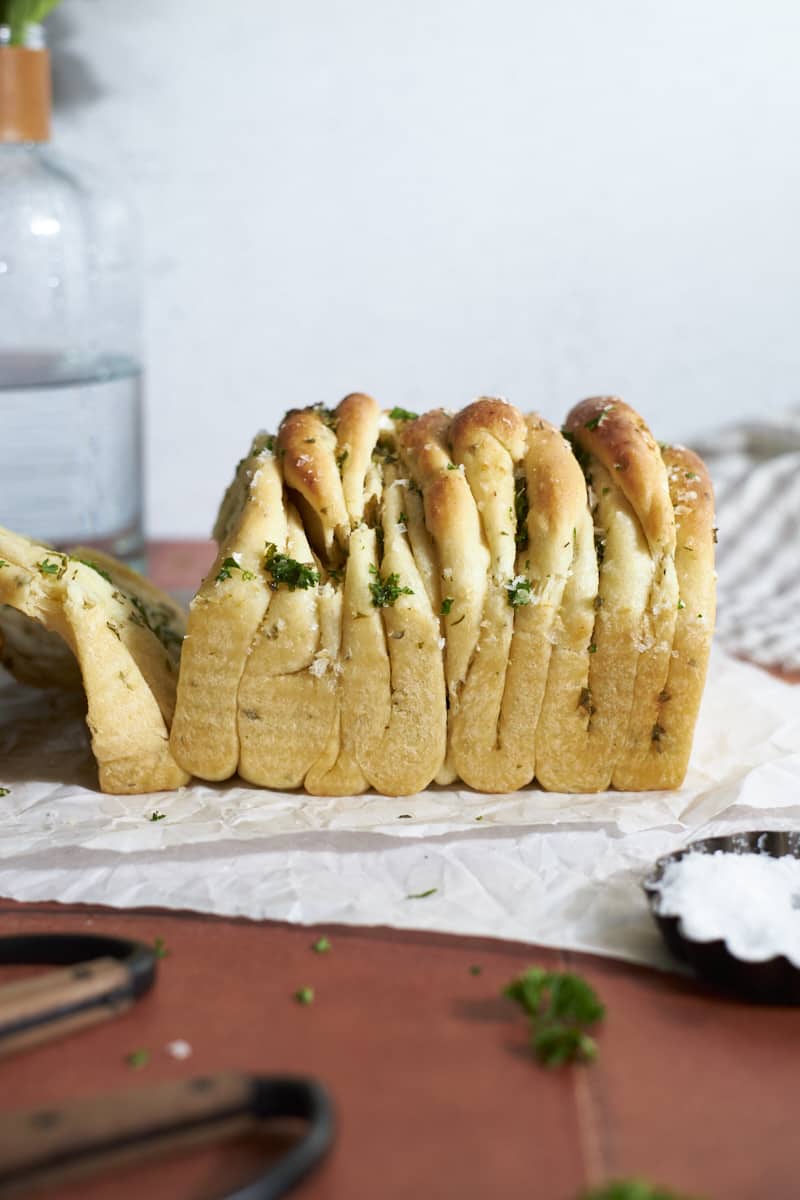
[(83, 620), (398, 600)]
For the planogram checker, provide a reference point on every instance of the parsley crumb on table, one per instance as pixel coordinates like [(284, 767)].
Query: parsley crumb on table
[(560, 1006)]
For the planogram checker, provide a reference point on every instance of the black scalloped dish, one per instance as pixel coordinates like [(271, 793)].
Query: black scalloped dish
[(773, 981)]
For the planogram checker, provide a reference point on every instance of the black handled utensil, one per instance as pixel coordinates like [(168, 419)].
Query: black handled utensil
[(99, 978), (48, 1145)]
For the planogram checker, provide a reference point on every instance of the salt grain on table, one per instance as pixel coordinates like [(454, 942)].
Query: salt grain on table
[(751, 901)]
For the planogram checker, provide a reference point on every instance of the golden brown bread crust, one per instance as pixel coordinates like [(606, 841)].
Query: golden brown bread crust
[(306, 444), (357, 424), (616, 435)]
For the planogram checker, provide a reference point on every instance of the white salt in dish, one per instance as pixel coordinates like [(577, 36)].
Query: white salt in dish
[(729, 907), (749, 901)]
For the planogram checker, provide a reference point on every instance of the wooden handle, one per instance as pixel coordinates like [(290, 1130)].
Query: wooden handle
[(60, 1002), (54, 1143)]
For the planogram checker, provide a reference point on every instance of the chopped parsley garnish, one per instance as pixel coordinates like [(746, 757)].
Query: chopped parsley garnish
[(50, 568), (288, 570), (341, 459), (402, 519), (3, 563), (560, 1006), (681, 605), (421, 895), (475, 970), (632, 1189), (87, 563), (447, 604), (690, 475), (596, 421), (321, 946), (592, 648), (304, 995), (521, 509), (452, 466), (4, 791), (157, 816), (138, 1059), (230, 564), (402, 414), (519, 591), (160, 948), (385, 592)]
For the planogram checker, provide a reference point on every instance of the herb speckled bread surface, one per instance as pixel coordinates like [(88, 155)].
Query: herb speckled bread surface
[(400, 599)]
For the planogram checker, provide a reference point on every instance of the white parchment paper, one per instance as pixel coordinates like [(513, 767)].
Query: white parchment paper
[(549, 869)]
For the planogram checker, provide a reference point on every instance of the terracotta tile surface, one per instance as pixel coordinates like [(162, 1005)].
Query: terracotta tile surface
[(436, 1091)]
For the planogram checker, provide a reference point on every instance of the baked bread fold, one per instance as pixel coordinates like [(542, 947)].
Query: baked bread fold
[(124, 636), (225, 615)]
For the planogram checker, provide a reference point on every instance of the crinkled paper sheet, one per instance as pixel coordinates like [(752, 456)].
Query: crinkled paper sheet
[(542, 868)]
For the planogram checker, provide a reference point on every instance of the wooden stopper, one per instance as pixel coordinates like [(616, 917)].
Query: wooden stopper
[(24, 95)]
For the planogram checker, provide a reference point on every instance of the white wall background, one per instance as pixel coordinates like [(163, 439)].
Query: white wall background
[(431, 199)]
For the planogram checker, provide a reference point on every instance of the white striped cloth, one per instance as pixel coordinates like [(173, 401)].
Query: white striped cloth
[(756, 474)]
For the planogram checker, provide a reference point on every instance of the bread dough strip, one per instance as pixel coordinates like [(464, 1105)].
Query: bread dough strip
[(620, 440), (451, 517), (225, 616), (679, 703)]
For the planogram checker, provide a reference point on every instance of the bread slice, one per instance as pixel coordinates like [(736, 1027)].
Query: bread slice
[(671, 737), (619, 440), (492, 735), (287, 696), (452, 519), (394, 712), (128, 671), (225, 616)]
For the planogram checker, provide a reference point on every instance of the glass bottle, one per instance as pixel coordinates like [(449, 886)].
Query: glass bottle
[(70, 378)]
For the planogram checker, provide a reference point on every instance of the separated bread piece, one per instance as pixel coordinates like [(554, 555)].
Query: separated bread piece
[(679, 702), (127, 669), (394, 711), (225, 616), (620, 441), (287, 696), (451, 517)]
